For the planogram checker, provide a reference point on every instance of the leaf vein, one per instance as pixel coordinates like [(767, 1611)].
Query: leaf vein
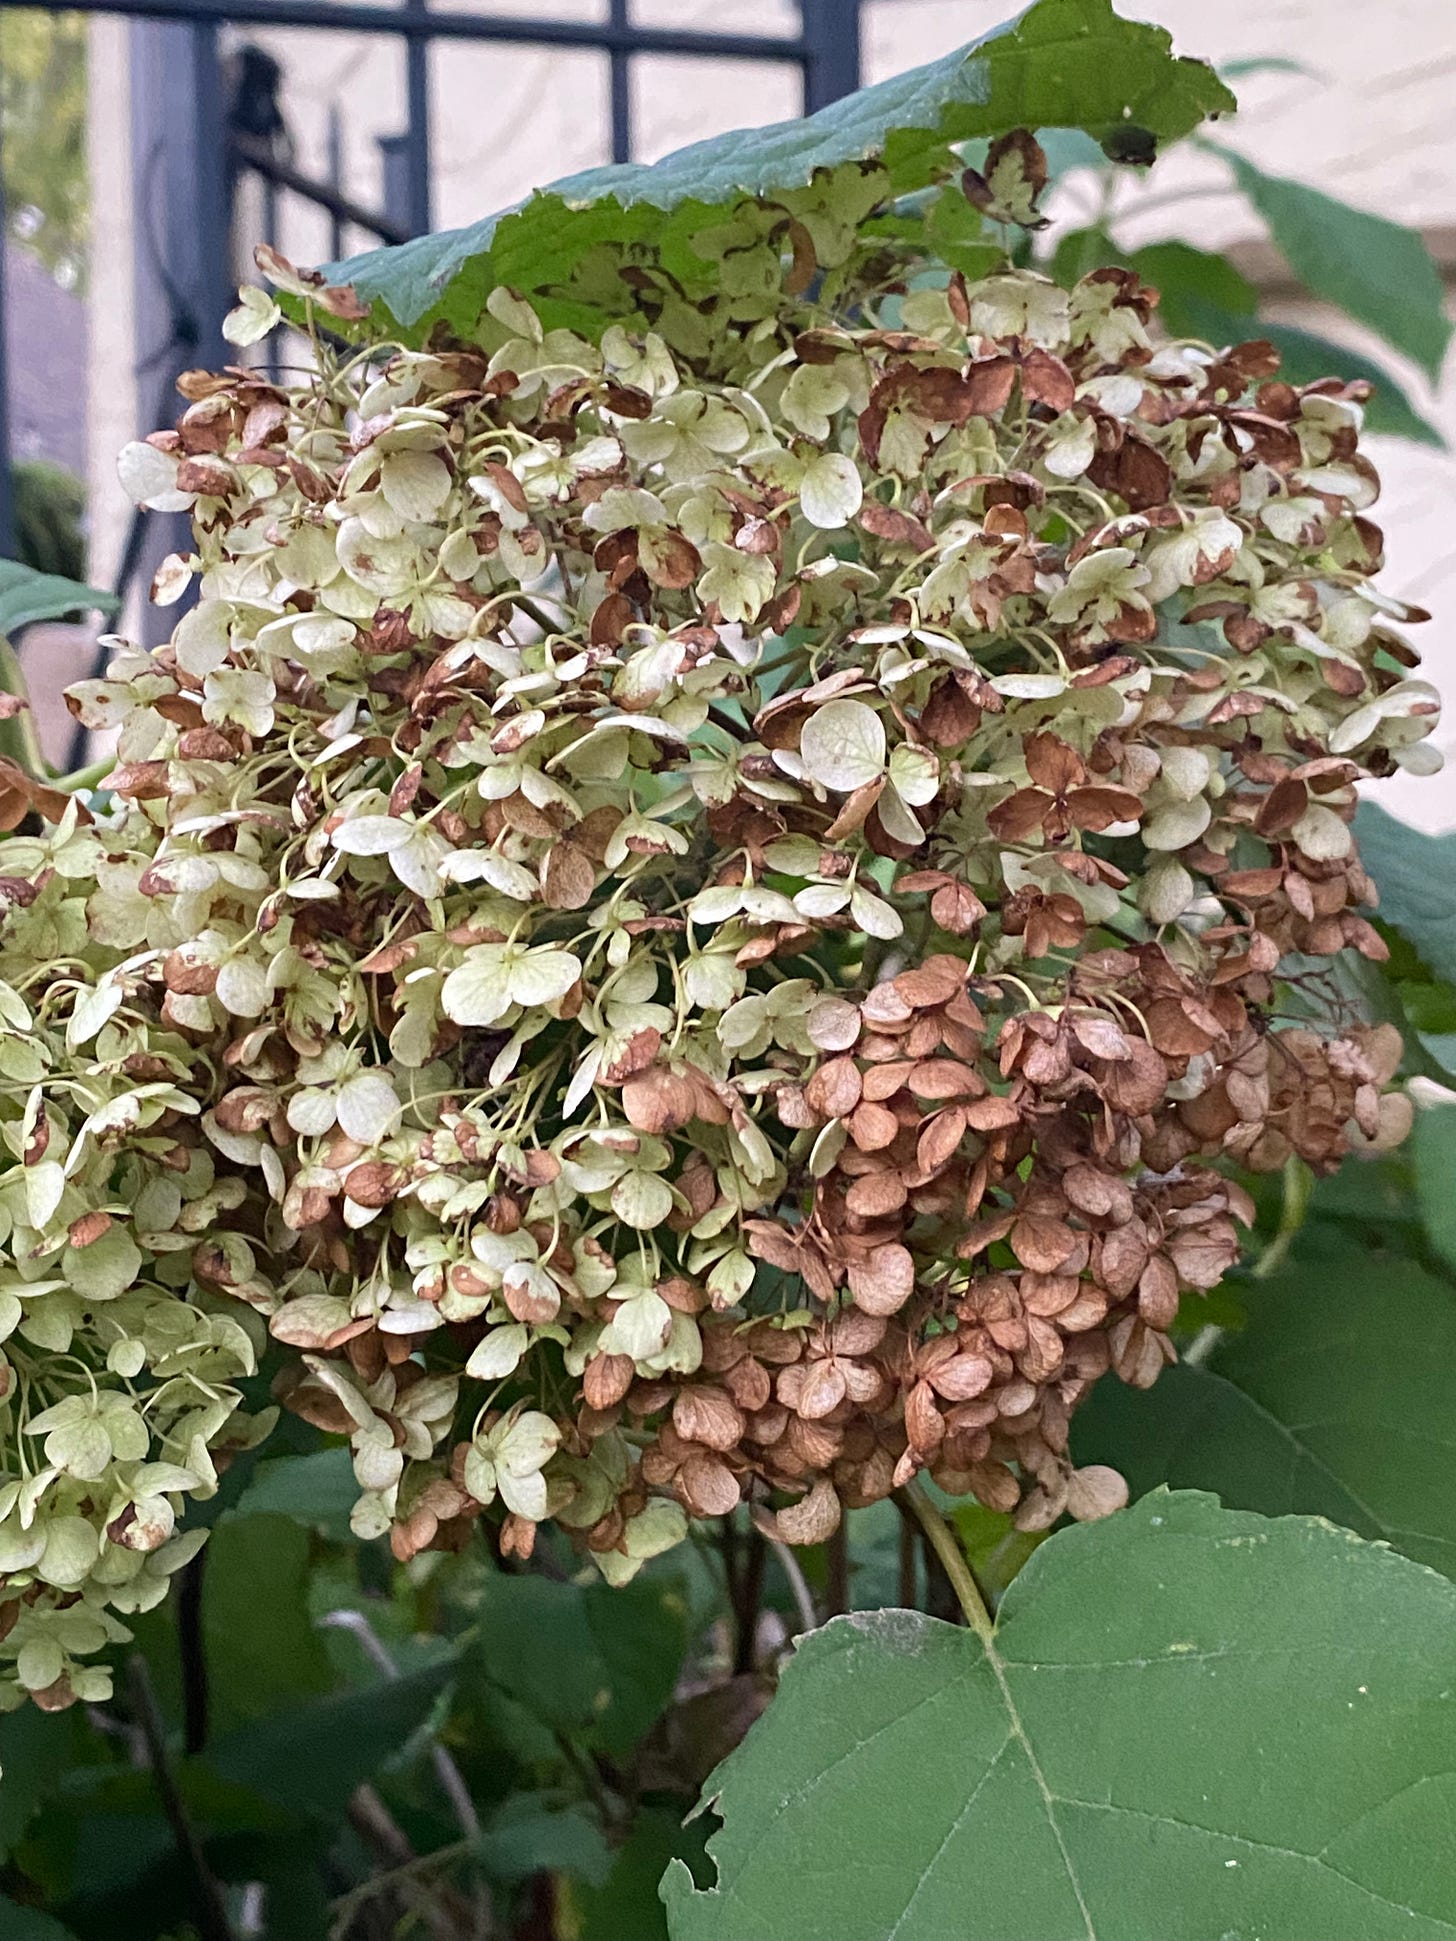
[(955, 1826), (1260, 1846)]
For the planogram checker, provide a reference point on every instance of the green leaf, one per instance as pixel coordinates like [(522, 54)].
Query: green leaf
[(534, 1832), (1336, 1398), (1190, 279), (997, 1550), (295, 1875), (626, 1907), (26, 596), (29, 1924), (1061, 64), (1435, 1164), (955, 232), (1405, 992), (310, 1757), (36, 1750), (317, 1490), (1377, 271), (1369, 1197), (1416, 877), (584, 1660), (1069, 148), (264, 1653), (103, 1845), (1194, 1430), (1078, 253), (1190, 1723)]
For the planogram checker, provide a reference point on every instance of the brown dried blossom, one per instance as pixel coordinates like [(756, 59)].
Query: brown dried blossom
[(678, 924)]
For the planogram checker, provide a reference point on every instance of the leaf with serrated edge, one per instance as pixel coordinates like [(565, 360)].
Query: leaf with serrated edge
[(1190, 1722), (1061, 64)]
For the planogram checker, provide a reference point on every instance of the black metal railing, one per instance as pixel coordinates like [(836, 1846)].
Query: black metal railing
[(194, 155)]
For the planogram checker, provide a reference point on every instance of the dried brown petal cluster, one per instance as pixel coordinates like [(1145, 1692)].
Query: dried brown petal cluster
[(695, 912)]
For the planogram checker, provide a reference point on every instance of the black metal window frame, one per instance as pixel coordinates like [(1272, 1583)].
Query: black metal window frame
[(203, 170), (826, 51)]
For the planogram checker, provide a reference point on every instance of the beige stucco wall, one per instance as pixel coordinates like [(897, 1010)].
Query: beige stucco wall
[(1375, 126)]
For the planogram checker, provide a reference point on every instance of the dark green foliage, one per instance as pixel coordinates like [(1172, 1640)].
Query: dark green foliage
[(50, 507)]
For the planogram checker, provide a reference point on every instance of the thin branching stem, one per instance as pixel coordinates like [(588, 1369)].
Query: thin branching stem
[(213, 1922)]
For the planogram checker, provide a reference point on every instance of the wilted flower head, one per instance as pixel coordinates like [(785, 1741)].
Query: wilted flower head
[(690, 915)]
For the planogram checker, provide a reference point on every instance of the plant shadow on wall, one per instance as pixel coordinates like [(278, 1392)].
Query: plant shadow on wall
[(720, 980)]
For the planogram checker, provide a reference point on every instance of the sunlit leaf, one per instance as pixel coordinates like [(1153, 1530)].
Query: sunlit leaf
[(1064, 64)]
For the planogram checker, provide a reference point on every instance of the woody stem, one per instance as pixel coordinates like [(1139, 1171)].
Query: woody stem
[(946, 1545)]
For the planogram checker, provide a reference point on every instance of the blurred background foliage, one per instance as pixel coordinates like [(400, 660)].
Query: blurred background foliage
[(43, 109)]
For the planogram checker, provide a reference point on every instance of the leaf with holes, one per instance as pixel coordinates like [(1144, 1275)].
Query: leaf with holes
[(1063, 64), (1189, 1722)]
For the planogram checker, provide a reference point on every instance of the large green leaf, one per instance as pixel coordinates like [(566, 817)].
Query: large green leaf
[(310, 1757), (1336, 1398), (1434, 1147), (36, 1749), (1375, 270), (105, 1856), (1195, 1430), (534, 1833), (1190, 280), (264, 1652), (26, 596), (586, 1661), (1200, 1429), (1061, 64), (1190, 1723), (626, 1907), (1416, 877), (317, 1490)]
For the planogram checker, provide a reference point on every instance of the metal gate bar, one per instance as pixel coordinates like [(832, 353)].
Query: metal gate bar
[(194, 140), (422, 22)]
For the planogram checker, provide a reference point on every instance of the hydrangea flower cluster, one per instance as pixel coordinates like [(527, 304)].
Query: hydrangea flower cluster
[(701, 910)]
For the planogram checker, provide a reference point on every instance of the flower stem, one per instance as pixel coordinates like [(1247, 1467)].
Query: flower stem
[(85, 778), (946, 1545), (1298, 1182)]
